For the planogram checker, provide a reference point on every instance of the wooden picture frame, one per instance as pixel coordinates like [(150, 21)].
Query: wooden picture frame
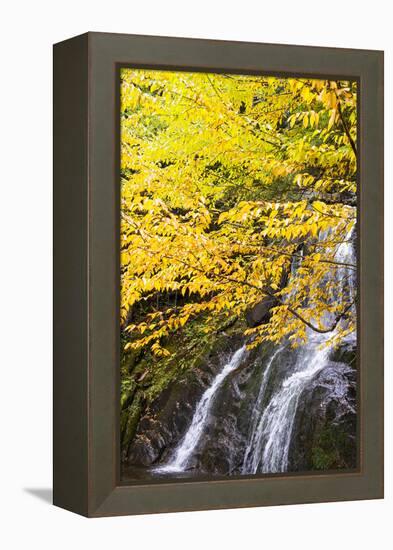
[(86, 273)]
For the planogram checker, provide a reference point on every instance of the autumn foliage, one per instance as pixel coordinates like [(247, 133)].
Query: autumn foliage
[(226, 182)]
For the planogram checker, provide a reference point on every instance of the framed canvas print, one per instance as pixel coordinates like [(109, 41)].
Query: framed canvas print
[(218, 260)]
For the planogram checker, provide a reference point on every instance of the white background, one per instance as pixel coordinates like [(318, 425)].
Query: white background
[(28, 29)]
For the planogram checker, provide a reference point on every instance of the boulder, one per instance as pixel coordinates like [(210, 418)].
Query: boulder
[(260, 313)]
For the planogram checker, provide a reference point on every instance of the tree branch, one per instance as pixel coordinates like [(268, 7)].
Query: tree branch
[(346, 129), (264, 291)]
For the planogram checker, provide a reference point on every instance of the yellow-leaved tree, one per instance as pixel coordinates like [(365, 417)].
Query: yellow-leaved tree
[(226, 181)]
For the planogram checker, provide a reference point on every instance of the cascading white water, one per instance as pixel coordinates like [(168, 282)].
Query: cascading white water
[(252, 441), (273, 415), (271, 438), (272, 424), (184, 452)]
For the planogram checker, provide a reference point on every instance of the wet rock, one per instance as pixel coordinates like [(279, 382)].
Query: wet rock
[(261, 312), (222, 448), (345, 353), (166, 419), (324, 431)]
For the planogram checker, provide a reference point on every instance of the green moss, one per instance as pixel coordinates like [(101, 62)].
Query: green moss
[(322, 460), (129, 420), (144, 377), (188, 349), (329, 450)]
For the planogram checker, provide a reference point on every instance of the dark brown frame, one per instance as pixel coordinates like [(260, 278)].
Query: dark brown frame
[(86, 273)]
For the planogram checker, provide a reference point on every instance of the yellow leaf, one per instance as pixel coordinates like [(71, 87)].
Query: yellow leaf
[(332, 118)]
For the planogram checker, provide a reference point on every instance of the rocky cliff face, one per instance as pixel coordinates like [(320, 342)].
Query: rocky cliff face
[(324, 429), (166, 419), (324, 434)]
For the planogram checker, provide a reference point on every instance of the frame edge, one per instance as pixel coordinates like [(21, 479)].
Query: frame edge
[(70, 271)]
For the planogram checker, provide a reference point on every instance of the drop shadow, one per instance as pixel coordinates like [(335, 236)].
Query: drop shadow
[(44, 494)]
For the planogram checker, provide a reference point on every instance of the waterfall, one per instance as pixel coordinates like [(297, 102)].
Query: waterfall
[(272, 422), (188, 444), (271, 437), (254, 431), (286, 375)]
